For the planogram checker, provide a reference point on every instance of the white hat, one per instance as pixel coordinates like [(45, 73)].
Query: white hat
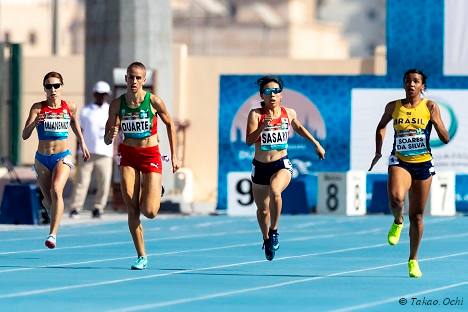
[(102, 87)]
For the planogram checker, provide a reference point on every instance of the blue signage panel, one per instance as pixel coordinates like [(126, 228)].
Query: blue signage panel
[(323, 103)]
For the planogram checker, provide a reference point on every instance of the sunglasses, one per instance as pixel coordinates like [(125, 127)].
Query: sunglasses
[(49, 86), (268, 91)]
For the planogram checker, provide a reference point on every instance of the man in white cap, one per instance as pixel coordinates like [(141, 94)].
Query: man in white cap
[(93, 119)]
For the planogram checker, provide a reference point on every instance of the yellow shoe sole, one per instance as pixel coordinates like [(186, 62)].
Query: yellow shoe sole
[(413, 268), (394, 233)]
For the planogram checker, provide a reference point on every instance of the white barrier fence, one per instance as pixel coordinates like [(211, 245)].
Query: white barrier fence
[(343, 193), (240, 201), (441, 201)]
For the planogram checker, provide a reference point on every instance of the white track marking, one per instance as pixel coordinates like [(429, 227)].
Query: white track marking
[(54, 289), (199, 225), (164, 253), (395, 299), (245, 290)]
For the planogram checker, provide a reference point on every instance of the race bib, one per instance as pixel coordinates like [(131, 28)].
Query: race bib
[(409, 143), (136, 128), (274, 140), (56, 127)]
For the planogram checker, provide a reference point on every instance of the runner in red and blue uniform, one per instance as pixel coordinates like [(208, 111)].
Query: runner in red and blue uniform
[(268, 128), (52, 118)]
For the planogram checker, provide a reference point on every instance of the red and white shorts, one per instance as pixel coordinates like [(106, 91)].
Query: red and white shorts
[(143, 159)]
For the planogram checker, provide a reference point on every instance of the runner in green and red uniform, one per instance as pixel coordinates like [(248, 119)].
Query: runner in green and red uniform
[(135, 114)]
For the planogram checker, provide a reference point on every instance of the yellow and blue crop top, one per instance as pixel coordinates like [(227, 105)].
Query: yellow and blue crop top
[(412, 132)]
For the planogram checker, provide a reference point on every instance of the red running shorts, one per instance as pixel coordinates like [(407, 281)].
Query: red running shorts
[(143, 159)]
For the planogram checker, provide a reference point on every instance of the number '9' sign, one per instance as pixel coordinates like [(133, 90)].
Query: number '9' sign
[(244, 189), (240, 196)]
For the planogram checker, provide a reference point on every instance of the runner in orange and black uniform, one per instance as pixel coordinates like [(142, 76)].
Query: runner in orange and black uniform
[(135, 114), (52, 118), (268, 128), (410, 164)]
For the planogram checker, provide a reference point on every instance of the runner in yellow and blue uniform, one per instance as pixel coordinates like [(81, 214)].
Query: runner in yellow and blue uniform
[(410, 163)]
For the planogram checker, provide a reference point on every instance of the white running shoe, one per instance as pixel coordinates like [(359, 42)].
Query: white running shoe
[(50, 241)]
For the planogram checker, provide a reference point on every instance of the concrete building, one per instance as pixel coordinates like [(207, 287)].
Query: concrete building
[(240, 39), (362, 23), (208, 27), (44, 27)]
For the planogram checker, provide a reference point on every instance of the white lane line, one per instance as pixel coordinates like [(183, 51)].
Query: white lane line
[(129, 257), (46, 290), (166, 253), (203, 224), (188, 236), (309, 224), (54, 289), (368, 231), (33, 238), (395, 299), (346, 219), (129, 242), (110, 232), (245, 290), (208, 223)]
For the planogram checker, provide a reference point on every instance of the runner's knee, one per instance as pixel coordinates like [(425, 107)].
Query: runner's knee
[(416, 218), (397, 203), (150, 212)]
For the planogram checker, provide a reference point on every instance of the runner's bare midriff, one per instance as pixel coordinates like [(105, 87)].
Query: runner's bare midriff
[(145, 142), (50, 147), (268, 156)]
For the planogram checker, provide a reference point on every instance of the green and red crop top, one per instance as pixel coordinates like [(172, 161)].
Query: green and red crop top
[(139, 122)]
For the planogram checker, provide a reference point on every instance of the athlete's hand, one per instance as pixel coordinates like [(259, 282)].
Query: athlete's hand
[(175, 164), (113, 131), (375, 160), (320, 152), (84, 149), (39, 119), (267, 120), (110, 136)]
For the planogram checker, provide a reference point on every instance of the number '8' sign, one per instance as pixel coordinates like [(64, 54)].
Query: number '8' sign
[(342, 193)]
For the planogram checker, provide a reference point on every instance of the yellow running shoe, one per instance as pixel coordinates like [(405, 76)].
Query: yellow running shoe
[(394, 233), (413, 268)]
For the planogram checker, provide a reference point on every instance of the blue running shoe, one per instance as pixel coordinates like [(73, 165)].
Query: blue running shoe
[(274, 242), (269, 253), (140, 264)]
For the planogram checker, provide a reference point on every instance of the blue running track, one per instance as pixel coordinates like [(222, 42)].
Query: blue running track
[(215, 263)]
